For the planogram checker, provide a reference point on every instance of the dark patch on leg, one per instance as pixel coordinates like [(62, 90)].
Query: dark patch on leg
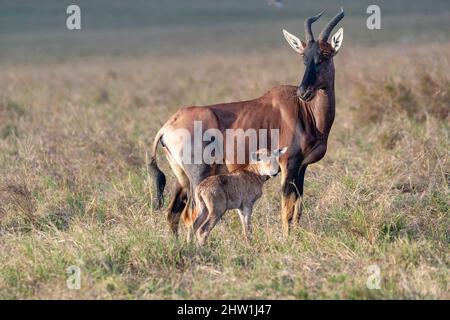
[(289, 200), (176, 207), (299, 182)]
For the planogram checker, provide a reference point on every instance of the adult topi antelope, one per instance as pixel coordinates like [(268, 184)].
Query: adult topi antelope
[(302, 115)]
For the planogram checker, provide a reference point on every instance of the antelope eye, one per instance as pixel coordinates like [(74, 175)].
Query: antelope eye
[(325, 55)]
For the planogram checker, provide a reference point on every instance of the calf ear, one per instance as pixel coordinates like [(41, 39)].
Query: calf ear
[(279, 152), (294, 42), (254, 157), (336, 41)]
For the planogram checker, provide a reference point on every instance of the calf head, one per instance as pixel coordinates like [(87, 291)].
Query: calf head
[(266, 162)]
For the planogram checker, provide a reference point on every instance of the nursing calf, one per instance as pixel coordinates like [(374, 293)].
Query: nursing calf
[(239, 189)]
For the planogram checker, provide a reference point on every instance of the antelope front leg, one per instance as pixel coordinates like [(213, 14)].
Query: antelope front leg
[(291, 200), (288, 205), (299, 182)]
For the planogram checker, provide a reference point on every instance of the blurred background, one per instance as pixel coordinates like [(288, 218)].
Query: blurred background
[(79, 109), (35, 31)]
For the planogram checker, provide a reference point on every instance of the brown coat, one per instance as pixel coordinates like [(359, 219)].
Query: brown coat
[(217, 194)]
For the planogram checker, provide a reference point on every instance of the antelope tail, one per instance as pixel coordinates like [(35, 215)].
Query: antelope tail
[(158, 177)]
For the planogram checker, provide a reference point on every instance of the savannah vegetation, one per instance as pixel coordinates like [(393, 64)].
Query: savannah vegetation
[(79, 110)]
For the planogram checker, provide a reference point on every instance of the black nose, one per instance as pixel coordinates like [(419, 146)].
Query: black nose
[(275, 174), (305, 93)]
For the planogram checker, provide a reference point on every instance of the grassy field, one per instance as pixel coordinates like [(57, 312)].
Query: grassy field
[(78, 111)]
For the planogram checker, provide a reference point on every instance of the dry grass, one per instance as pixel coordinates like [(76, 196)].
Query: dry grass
[(74, 188)]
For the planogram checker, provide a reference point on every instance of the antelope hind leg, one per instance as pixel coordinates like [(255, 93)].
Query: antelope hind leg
[(176, 207)]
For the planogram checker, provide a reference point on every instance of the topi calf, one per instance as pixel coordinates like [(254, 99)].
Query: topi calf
[(236, 190)]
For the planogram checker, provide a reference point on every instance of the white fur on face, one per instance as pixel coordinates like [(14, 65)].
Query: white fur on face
[(269, 165)]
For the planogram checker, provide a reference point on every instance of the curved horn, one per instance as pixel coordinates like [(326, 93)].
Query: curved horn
[(329, 27), (308, 31)]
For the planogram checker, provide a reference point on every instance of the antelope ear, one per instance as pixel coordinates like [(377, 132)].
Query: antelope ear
[(294, 42), (336, 41), (282, 151)]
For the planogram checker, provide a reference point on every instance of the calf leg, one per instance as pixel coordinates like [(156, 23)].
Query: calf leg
[(245, 214), (202, 216), (205, 229)]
